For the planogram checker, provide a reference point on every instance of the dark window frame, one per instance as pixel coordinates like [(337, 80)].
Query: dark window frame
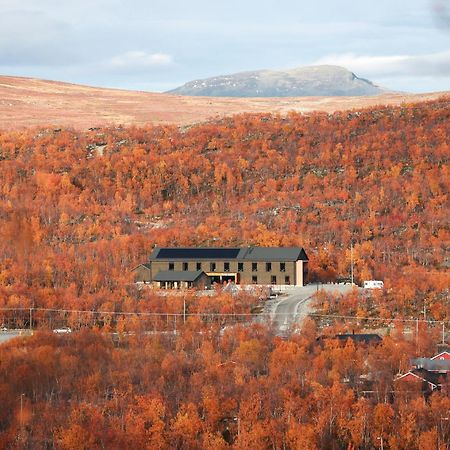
[(171, 266), (226, 266), (254, 279), (199, 266), (287, 279), (240, 266), (268, 267), (185, 266), (254, 267), (282, 267), (273, 279), (212, 267)]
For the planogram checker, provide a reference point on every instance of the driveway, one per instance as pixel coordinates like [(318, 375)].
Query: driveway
[(293, 307)]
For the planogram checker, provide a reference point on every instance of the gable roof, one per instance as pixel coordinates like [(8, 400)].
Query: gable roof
[(443, 355), (173, 275), (420, 375), (146, 265), (431, 377), (240, 254)]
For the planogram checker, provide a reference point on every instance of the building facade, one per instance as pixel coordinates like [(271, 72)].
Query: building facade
[(249, 265), (170, 279)]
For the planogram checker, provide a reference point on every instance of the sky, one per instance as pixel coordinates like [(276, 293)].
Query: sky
[(156, 45)]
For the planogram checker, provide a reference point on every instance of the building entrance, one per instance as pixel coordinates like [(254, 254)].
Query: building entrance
[(225, 277)]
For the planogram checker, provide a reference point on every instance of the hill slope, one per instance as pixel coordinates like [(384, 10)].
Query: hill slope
[(26, 102), (299, 82), (79, 209)]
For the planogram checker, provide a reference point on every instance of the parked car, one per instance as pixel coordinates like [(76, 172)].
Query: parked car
[(63, 330)]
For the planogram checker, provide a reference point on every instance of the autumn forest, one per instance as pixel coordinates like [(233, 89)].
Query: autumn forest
[(80, 209)]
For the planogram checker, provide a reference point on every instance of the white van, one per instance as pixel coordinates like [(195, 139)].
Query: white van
[(63, 330), (373, 284)]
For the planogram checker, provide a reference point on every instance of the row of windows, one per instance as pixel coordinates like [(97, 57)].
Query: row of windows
[(226, 266), (273, 279)]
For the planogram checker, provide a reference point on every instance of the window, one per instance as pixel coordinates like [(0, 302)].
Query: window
[(199, 266), (273, 279), (283, 267), (254, 279), (268, 267), (185, 266), (226, 267), (254, 267), (171, 266), (240, 267), (287, 280), (212, 267)]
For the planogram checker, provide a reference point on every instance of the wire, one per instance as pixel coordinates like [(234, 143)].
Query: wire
[(206, 314)]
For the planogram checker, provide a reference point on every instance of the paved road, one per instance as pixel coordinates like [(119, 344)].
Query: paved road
[(293, 308), (11, 334)]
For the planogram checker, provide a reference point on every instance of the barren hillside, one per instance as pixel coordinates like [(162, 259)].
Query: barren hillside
[(310, 81), (26, 102)]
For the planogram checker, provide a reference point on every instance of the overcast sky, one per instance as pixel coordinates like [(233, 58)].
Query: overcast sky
[(156, 45)]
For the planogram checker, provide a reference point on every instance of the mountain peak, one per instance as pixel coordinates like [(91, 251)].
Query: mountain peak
[(320, 80)]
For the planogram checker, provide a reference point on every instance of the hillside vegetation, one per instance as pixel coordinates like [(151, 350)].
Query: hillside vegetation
[(78, 210), (29, 102), (242, 389)]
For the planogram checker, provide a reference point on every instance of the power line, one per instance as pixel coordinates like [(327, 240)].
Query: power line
[(393, 319), (225, 315)]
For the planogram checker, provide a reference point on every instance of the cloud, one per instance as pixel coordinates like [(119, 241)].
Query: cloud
[(33, 38), (433, 64), (138, 60), (441, 9)]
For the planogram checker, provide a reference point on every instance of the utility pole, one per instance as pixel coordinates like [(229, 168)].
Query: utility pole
[(417, 333), (380, 438), (351, 261)]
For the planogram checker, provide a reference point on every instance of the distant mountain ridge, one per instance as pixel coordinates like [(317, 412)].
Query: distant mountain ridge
[(30, 102), (307, 81)]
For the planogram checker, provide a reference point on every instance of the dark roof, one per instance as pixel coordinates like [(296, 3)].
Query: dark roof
[(360, 338), (436, 365), (195, 253), (275, 254), (172, 275), (431, 377), (240, 254)]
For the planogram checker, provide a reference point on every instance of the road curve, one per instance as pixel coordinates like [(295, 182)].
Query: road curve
[(294, 307)]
